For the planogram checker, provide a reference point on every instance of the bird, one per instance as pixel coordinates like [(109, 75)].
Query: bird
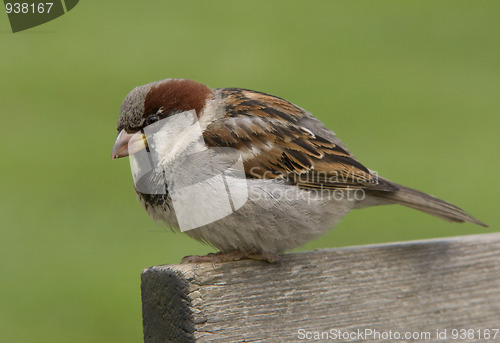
[(284, 150)]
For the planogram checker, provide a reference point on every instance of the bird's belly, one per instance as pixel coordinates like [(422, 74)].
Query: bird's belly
[(275, 218)]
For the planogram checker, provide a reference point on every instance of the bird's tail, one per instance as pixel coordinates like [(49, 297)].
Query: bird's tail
[(426, 203)]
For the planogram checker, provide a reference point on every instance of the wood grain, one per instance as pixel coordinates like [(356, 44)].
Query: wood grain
[(415, 287)]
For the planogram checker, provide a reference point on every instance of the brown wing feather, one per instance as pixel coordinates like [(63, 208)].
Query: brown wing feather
[(266, 130)]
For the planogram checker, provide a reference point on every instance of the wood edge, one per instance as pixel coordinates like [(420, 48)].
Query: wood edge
[(188, 271), (161, 291)]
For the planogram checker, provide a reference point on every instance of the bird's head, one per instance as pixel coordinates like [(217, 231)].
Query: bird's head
[(149, 103)]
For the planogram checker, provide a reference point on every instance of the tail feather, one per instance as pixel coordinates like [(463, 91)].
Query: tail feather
[(426, 203)]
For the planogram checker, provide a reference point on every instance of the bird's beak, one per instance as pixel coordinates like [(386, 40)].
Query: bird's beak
[(128, 144)]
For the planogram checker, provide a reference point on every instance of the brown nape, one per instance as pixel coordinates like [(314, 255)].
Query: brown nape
[(176, 95)]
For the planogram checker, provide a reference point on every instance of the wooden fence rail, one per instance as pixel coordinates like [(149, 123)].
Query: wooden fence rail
[(422, 291)]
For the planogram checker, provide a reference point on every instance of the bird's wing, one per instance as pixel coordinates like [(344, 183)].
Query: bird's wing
[(274, 144)]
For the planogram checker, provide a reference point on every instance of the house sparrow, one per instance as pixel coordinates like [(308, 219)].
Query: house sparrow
[(284, 150)]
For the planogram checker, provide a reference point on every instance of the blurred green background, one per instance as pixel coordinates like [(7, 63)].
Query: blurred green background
[(411, 87)]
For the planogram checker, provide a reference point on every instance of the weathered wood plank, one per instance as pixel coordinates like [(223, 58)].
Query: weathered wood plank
[(415, 287)]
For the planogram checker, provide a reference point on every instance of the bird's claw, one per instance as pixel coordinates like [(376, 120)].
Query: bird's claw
[(236, 255)]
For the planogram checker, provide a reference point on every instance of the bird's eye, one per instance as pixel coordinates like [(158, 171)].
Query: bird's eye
[(151, 119)]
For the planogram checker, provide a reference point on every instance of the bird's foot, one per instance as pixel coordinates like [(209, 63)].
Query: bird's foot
[(235, 255)]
